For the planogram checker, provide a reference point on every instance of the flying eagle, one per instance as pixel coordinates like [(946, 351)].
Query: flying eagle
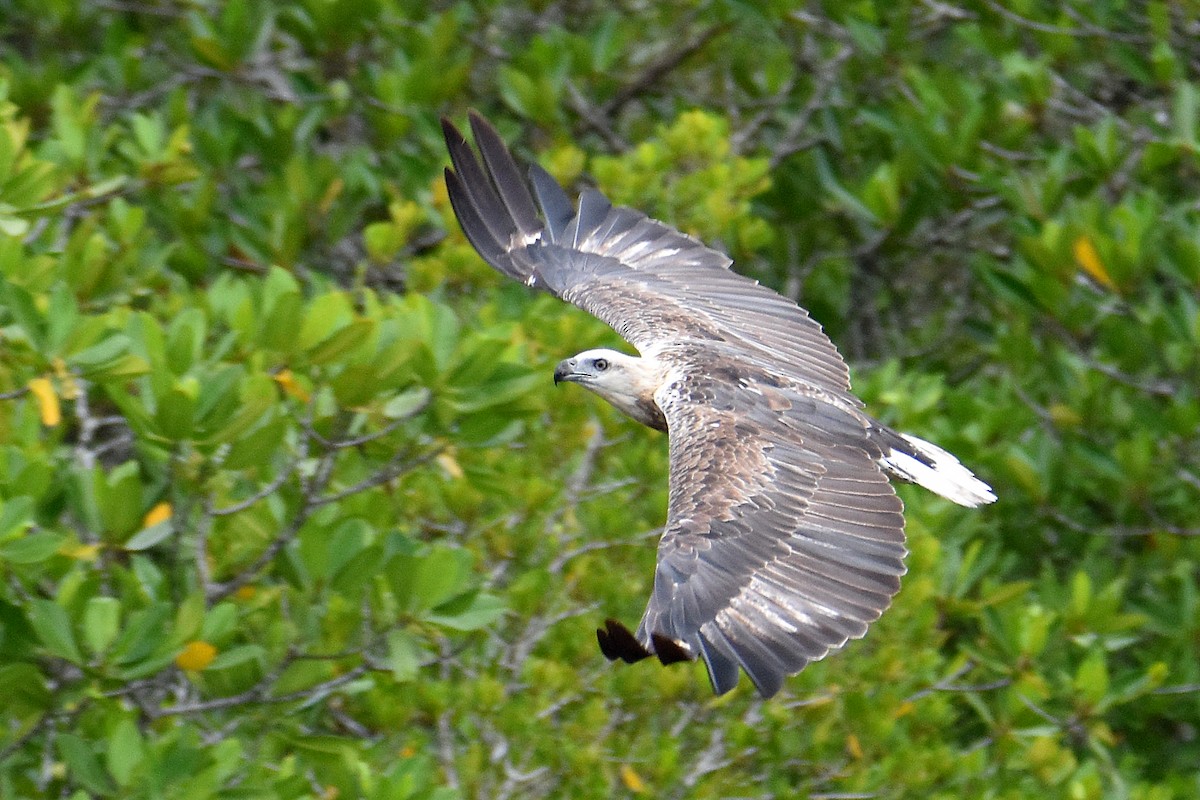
[(784, 538)]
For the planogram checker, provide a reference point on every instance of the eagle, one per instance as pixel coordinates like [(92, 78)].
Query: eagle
[(784, 538)]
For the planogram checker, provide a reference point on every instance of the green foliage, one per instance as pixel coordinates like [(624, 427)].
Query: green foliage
[(289, 508)]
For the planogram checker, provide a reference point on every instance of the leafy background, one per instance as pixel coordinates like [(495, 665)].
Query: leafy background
[(289, 508)]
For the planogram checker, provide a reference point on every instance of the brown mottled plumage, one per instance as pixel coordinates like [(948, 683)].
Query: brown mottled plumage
[(784, 538)]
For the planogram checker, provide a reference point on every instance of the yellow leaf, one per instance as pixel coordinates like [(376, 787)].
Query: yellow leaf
[(160, 513), (81, 552), (68, 389), (853, 747), (287, 381), (1089, 261), (43, 392), (196, 656), (246, 592), (440, 196), (1064, 416), (904, 709), (450, 465), (331, 194), (633, 782)]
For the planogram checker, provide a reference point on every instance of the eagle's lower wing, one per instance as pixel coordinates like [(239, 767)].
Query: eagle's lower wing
[(648, 281), (784, 538)]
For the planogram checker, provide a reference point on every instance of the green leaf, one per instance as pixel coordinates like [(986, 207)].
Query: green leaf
[(327, 312), (17, 302), (83, 765), (184, 340), (441, 574), (383, 241), (219, 622), (403, 655), (407, 404), (125, 752), (119, 499), (282, 310), (341, 342), (53, 628), (256, 399), (148, 537), (109, 359), (31, 548), (23, 687), (176, 413), (1091, 679), (189, 616), (480, 611), (15, 227), (1186, 114), (143, 631), (16, 514), (840, 194), (243, 654), (497, 393), (101, 622)]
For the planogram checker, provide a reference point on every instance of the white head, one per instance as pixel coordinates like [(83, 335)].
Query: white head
[(628, 382)]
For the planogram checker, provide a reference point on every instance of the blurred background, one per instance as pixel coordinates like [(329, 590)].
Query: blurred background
[(290, 508)]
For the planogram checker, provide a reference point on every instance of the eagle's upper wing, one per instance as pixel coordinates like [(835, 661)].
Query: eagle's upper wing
[(648, 281), (784, 538)]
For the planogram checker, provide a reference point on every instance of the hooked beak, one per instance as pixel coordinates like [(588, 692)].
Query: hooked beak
[(565, 371)]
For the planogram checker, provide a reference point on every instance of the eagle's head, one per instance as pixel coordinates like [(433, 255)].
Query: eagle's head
[(628, 382)]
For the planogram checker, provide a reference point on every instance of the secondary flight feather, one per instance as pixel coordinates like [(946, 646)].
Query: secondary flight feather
[(784, 538)]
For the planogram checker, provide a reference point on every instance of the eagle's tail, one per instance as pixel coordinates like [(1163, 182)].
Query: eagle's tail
[(925, 464)]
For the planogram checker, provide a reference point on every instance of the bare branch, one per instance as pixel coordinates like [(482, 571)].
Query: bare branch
[(794, 138), (658, 69), (267, 490), (1086, 30), (394, 469), (259, 694)]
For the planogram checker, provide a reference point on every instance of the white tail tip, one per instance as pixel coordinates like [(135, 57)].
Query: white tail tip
[(946, 476)]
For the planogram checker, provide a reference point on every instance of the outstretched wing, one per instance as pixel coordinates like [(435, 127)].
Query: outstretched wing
[(651, 283), (784, 538)]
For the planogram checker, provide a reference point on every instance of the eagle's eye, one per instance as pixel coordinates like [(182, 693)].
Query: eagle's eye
[(601, 364)]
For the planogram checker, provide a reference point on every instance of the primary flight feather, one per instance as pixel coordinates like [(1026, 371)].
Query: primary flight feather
[(784, 538)]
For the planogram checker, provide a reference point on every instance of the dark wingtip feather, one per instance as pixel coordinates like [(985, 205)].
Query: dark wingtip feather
[(478, 187), (593, 209), (451, 133), (510, 184), (617, 642), (556, 206), (477, 232)]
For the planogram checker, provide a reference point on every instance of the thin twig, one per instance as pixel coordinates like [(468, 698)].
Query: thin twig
[(261, 494), (1086, 30), (656, 70), (793, 140), (258, 695), (397, 467)]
